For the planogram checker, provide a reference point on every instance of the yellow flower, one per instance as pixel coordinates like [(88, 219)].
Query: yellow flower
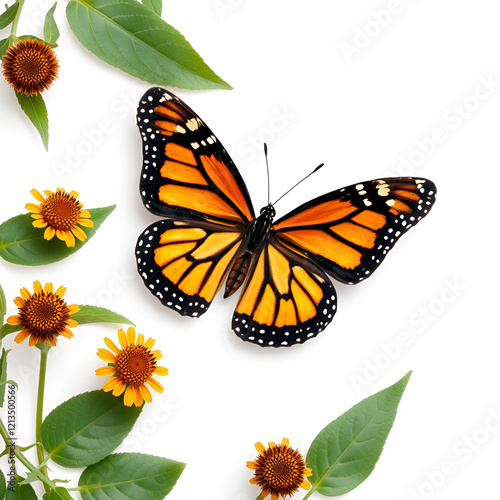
[(44, 315), (30, 66), (131, 367), (279, 470), (60, 213)]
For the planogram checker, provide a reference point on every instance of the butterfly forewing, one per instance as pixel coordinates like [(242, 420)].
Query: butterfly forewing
[(186, 172), (348, 232)]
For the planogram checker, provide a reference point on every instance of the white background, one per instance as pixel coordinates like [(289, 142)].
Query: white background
[(359, 103)]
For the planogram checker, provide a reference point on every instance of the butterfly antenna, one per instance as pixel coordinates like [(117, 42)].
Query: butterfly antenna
[(302, 180), (268, 179)]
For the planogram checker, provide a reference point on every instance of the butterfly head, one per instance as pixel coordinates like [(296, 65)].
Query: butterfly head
[(268, 212)]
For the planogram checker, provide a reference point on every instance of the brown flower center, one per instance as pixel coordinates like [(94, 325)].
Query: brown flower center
[(44, 315), (280, 470), (135, 364), (30, 66), (61, 211)]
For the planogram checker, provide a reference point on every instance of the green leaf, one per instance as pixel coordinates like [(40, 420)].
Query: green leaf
[(129, 36), (7, 329), (4, 45), (50, 30), (95, 314), (155, 6), (130, 476), (345, 452), (9, 15), (21, 492), (21, 243), (3, 486), (35, 109), (86, 428), (3, 375)]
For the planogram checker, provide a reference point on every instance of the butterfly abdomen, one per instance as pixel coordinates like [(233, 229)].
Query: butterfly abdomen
[(238, 273), (257, 234)]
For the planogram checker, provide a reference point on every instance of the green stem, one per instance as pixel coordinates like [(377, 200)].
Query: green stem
[(44, 351), (16, 19), (310, 492), (20, 456)]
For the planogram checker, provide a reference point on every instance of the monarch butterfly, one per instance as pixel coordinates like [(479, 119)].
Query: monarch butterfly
[(210, 232)]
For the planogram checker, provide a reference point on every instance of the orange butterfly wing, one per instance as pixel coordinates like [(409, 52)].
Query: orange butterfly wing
[(188, 177), (346, 233)]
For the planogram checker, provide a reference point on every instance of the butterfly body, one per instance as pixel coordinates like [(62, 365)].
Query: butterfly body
[(210, 233)]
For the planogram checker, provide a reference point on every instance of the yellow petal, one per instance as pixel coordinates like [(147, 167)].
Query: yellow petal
[(122, 338), (85, 222), (72, 193), (155, 385), (48, 288), (149, 343), (305, 485), (79, 233), (50, 232), (161, 370), (39, 223), (111, 345), (37, 195), (105, 355), (14, 320), (36, 209), (105, 371), (130, 335), (19, 301), (138, 399), (48, 192), (146, 395), (260, 448), (140, 339), (73, 308), (37, 287), (85, 214), (129, 397), (68, 238), (252, 465), (22, 335), (285, 442), (157, 354), (32, 341), (308, 472), (25, 293), (61, 291), (119, 388), (110, 384), (71, 323), (254, 480), (67, 333)]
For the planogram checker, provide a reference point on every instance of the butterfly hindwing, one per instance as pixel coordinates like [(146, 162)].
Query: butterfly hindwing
[(186, 172), (286, 299), (348, 232), (184, 263)]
